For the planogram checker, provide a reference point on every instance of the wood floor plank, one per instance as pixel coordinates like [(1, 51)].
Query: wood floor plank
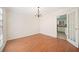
[(39, 43)]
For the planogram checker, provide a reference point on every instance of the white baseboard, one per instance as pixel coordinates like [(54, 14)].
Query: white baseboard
[(49, 35), (16, 37), (74, 44)]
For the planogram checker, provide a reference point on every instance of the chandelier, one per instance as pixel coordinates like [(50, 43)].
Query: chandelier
[(38, 12)]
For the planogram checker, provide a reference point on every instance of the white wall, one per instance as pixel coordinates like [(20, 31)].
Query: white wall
[(21, 22), (48, 25), (48, 22)]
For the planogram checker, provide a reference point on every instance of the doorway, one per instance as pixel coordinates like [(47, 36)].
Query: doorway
[(62, 27)]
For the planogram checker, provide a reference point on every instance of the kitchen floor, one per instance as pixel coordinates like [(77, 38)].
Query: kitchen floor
[(61, 35)]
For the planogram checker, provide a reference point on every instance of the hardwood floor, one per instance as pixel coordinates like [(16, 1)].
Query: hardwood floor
[(39, 43)]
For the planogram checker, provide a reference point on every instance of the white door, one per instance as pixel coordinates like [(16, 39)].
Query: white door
[(72, 27)]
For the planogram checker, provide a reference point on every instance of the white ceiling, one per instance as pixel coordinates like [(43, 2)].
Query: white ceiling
[(33, 10)]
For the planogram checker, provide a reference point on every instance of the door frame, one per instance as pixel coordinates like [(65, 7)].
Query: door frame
[(61, 13)]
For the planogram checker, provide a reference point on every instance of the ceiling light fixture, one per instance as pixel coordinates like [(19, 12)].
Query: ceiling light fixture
[(38, 12)]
